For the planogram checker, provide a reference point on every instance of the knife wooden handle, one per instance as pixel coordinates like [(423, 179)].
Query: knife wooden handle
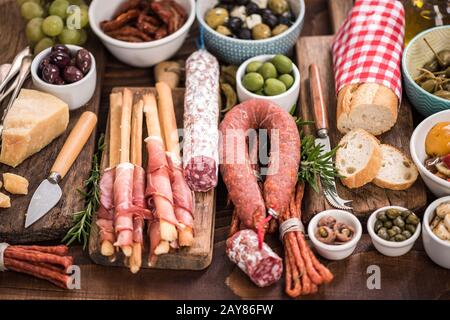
[(320, 111), (75, 143)]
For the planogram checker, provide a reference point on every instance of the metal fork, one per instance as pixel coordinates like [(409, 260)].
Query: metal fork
[(334, 200)]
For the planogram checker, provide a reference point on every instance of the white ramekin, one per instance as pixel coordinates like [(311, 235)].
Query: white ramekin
[(75, 94), (390, 248), (437, 249), (285, 100), (341, 251)]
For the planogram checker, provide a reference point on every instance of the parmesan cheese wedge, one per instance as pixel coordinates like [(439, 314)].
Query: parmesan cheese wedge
[(5, 201), (15, 184), (35, 119)]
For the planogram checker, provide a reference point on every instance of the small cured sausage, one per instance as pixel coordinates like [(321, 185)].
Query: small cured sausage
[(60, 250), (201, 113), (238, 171), (263, 266)]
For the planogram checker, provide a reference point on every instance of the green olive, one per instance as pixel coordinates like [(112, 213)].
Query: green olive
[(382, 233), (382, 216), (392, 233), (278, 6), (287, 79), (224, 30), (253, 66), (274, 87), (261, 31), (279, 29), (444, 94), (410, 227), (405, 214), (323, 232), (388, 224), (397, 229), (253, 81), (392, 213), (429, 85), (216, 17), (399, 222), (378, 225), (282, 63), (412, 219), (407, 234), (268, 70), (260, 92), (432, 65), (399, 238), (444, 57)]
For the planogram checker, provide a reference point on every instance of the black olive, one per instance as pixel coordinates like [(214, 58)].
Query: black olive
[(242, 2), (265, 11), (245, 34), (226, 1), (234, 24), (251, 8), (42, 64), (288, 14), (271, 20), (284, 20), (60, 47), (50, 74)]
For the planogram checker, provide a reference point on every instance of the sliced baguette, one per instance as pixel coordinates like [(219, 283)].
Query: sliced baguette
[(358, 158), (397, 171), (368, 106)]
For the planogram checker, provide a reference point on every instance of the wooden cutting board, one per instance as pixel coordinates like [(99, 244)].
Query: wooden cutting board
[(197, 257), (370, 197), (55, 224)]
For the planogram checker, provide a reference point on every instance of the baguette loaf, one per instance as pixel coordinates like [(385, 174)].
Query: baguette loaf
[(358, 158), (368, 106), (397, 171)]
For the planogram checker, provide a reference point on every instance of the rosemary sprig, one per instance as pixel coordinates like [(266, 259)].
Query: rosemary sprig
[(91, 194), (314, 165)]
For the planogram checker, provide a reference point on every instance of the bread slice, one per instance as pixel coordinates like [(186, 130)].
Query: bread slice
[(397, 171), (358, 159), (368, 106)]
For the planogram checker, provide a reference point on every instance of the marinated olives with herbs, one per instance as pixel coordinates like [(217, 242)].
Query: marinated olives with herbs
[(269, 78), (60, 67), (395, 225), (250, 19)]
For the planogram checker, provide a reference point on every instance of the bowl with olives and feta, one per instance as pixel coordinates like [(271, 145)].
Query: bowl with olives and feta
[(393, 230), (236, 30)]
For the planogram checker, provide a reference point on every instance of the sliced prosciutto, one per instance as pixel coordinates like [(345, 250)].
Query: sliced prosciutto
[(140, 211), (105, 213)]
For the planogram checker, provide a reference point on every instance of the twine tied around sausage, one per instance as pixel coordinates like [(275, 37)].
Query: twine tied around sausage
[(260, 227), (290, 225), (3, 246)]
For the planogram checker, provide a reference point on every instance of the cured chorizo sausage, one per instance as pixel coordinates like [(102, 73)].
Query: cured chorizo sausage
[(236, 167)]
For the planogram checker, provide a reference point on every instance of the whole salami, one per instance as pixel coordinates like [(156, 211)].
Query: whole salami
[(201, 114), (263, 266)]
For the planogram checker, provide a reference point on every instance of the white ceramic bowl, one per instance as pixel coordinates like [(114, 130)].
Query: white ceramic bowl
[(75, 94), (143, 54), (438, 250), (341, 251), (390, 248), (438, 186), (285, 100)]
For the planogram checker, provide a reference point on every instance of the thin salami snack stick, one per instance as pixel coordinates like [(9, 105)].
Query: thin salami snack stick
[(296, 253), (306, 284), (325, 273), (59, 279), (315, 277), (293, 282), (60, 250), (50, 267), (33, 256)]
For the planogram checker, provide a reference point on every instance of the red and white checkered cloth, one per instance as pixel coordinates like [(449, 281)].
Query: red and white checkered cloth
[(368, 47)]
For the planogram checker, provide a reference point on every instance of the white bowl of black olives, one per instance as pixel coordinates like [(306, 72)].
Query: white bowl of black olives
[(66, 71), (393, 230)]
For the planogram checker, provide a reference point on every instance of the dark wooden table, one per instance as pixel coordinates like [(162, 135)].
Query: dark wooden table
[(412, 276)]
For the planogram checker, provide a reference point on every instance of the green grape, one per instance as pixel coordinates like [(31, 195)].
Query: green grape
[(43, 44), (21, 2), (83, 37), (30, 10), (59, 8), (52, 26), (68, 36), (33, 30)]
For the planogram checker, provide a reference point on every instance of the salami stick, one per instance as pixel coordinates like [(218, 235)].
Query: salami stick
[(60, 250), (26, 255), (136, 159), (59, 279)]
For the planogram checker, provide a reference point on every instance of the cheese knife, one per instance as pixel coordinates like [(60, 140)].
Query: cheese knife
[(48, 193), (321, 121)]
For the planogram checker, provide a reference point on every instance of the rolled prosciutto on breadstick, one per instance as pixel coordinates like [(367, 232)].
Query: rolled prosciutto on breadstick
[(182, 194)]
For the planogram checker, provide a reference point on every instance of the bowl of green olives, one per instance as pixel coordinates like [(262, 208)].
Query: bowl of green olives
[(393, 230), (269, 77), (236, 30), (426, 70)]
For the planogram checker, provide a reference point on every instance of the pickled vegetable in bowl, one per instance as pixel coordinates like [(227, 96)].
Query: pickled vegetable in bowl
[(437, 147)]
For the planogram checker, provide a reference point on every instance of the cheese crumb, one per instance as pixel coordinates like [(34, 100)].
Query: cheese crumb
[(15, 184)]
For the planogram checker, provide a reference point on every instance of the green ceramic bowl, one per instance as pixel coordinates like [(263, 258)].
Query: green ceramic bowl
[(416, 54)]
